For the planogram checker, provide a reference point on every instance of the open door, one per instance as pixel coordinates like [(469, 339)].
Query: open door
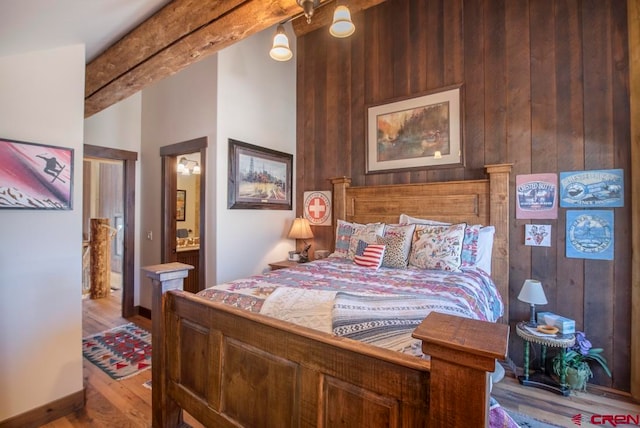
[(183, 214), (115, 177)]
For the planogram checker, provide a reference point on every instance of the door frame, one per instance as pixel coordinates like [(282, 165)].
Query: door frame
[(129, 160), (169, 156)]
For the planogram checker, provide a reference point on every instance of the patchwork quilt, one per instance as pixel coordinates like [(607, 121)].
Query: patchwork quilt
[(381, 307)]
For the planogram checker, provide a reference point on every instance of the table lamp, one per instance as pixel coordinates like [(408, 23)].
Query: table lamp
[(300, 229), (532, 293)]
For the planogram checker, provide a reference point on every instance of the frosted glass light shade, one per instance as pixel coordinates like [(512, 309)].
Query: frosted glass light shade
[(342, 25), (532, 292), (280, 50)]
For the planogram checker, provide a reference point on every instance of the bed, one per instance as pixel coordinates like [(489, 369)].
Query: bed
[(229, 366)]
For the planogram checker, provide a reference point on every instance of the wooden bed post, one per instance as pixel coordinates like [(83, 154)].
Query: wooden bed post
[(462, 352), (340, 185), (499, 201), (164, 277)]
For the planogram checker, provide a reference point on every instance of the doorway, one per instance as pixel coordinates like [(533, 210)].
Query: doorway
[(109, 191), (183, 213)]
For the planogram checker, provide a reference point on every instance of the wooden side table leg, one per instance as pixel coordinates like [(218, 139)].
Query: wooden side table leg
[(526, 360), (563, 368), (543, 358)]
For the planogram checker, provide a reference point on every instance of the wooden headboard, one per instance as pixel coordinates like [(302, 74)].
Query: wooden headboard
[(483, 202)]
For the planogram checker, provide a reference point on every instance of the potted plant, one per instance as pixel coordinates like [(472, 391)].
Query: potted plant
[(576, 362)]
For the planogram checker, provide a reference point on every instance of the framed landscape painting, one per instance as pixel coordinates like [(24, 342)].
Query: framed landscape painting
[(35, 176), (418, 132), (259, 178)]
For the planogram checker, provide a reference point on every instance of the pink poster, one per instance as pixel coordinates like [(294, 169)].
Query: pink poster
[(537, 196)]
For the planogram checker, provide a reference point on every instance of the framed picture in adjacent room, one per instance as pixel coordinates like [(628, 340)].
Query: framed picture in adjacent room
[(35, 176), (181, 205), (259, 178), (418, 132)]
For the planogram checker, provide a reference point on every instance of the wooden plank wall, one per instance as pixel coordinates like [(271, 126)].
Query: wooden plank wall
[(545, 87)]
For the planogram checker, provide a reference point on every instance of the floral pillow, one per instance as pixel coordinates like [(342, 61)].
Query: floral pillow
[(397, 238), (437, 247), (366, 233)]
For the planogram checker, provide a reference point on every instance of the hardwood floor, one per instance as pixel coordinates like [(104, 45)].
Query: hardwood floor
[(127, 403)]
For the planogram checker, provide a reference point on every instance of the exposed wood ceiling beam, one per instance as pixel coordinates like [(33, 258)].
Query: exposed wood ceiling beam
[(183, 32)]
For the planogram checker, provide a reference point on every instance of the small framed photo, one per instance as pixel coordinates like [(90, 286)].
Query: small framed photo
[(35, 176), (181, 205), (537, 235), (419, 132), (259, 178)]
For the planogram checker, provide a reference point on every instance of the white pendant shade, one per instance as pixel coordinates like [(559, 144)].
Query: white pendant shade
[(280, 50), (342, 25)]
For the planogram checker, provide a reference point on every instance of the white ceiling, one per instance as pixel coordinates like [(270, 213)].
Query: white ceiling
[(31, 25)]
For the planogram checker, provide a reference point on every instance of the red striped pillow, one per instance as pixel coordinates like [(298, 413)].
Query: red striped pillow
[(371, 257)]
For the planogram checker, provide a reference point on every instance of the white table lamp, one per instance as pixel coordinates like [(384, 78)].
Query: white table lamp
[(532, 293)]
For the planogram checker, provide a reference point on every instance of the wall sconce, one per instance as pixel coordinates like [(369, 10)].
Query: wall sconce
[(532, 293), (300, 229), (188, 167)]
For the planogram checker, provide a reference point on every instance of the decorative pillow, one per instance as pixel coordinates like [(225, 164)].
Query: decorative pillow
[(477, 247), (371, 257), (437, 247), (397, 238), (365, 232), (343, 238), (470, 246), (361, 246)]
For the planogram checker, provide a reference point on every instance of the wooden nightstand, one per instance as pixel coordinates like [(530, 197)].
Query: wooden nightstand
[(283, 264)]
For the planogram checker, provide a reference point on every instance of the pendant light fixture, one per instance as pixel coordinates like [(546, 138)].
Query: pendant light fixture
[(280, 50), (342, 25)]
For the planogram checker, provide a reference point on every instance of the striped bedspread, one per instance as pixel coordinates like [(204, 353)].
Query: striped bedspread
[(323, 295)]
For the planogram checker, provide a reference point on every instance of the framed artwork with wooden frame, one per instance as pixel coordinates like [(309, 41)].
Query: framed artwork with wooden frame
[(181, 205), (259, 178), (35, 176), (418, 132)]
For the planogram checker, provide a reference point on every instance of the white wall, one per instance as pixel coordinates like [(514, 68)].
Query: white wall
[(42, 97), (179, 108), (120, 127), (257, 105)]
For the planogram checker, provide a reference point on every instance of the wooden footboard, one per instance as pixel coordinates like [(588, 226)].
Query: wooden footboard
[(229, 367)]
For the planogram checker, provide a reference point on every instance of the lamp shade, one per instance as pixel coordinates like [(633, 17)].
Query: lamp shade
[(300, 229), (532, 292), (342, 25), (280, 50)]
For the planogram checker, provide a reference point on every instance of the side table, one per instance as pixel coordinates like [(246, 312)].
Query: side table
[(562, 341), (283, 264)]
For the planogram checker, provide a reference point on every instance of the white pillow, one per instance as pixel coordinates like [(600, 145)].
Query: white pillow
[(485, 247)]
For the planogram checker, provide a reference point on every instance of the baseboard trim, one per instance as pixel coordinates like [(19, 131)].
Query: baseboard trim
[(144, 312), (47, 413)]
